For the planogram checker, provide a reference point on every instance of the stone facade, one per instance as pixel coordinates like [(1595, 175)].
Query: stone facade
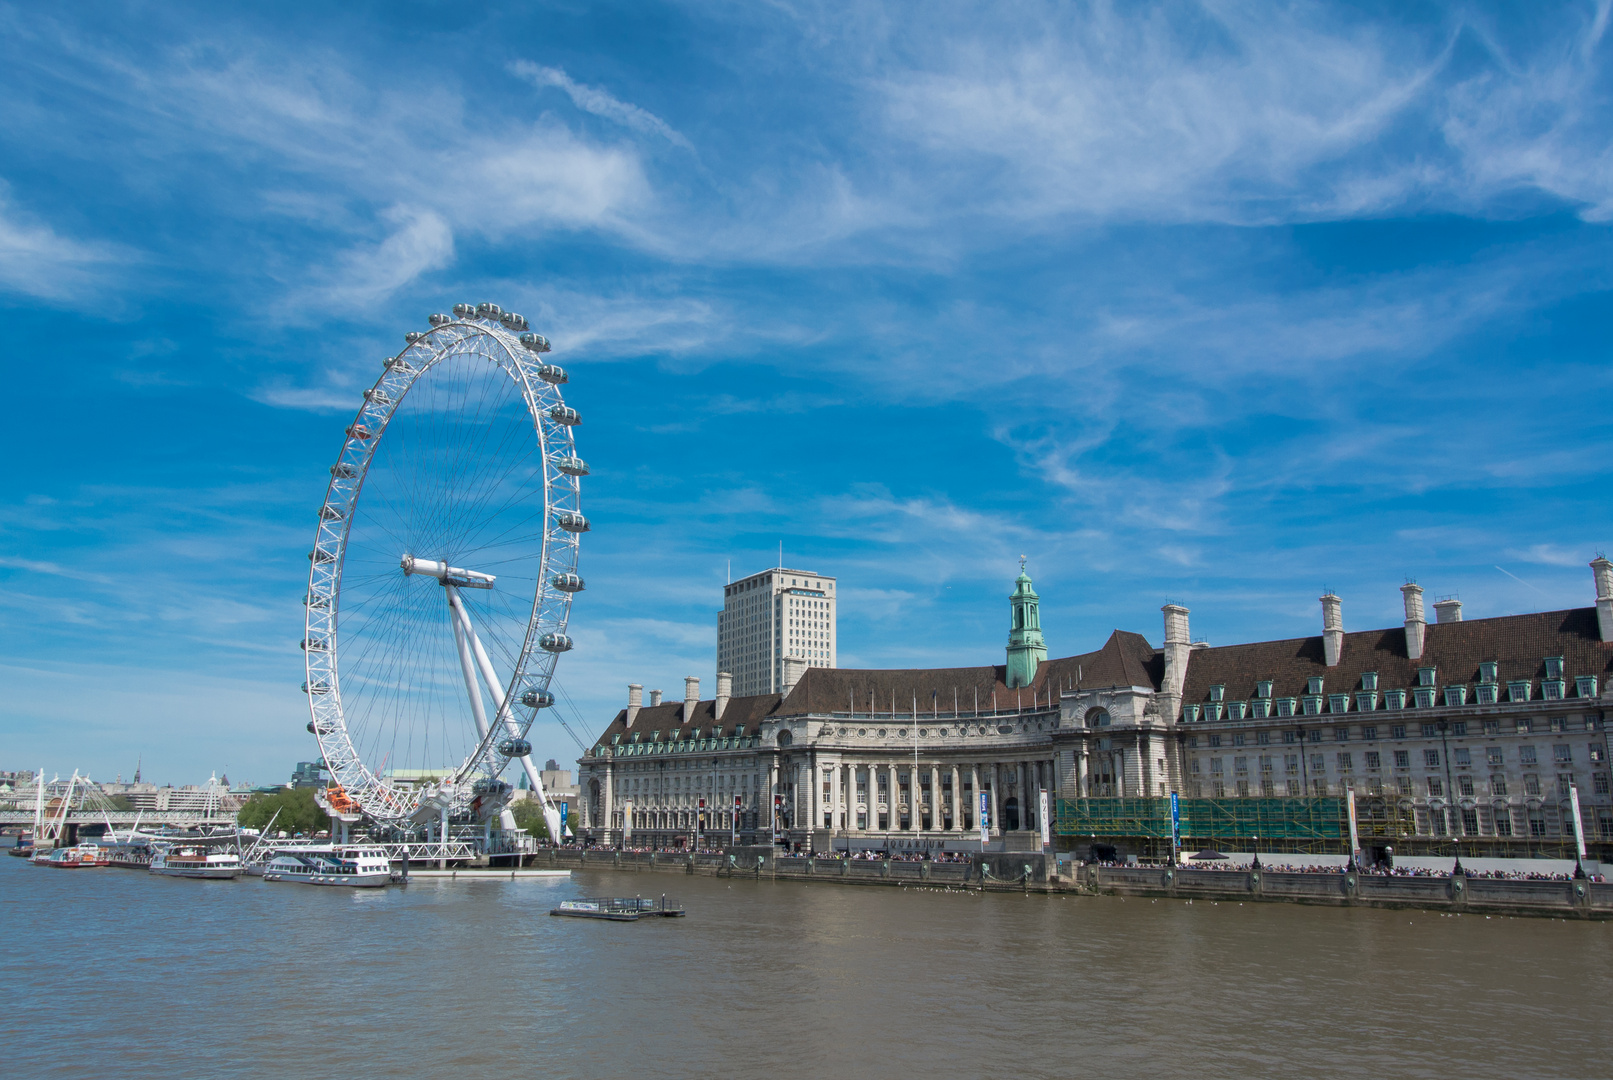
[(1474, 729)]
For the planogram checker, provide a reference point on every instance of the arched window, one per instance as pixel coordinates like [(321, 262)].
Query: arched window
[(784, 738), (1097, 718)]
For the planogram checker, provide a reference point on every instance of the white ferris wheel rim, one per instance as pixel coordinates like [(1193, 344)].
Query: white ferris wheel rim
[(476, 332)]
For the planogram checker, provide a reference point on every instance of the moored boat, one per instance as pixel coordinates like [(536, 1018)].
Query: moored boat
[(617, 909), (194, 862), (346, 865), (71, 858)]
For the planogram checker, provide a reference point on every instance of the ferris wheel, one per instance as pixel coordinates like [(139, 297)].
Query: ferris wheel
[(443, 570)]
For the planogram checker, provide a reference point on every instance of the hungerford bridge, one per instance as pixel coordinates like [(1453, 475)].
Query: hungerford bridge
[(56, 808)]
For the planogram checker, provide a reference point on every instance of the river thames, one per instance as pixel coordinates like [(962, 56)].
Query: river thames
[(114, 971)]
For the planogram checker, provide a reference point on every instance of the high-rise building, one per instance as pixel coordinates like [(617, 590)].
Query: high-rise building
[(773, 626)]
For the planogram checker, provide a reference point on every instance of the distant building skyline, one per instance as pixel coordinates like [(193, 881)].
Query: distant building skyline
[(773, 625)]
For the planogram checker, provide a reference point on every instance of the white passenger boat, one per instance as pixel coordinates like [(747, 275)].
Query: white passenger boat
[(356, 867), (194, 862)]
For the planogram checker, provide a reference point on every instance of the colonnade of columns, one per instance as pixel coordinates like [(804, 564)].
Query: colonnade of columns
[(867, 796)]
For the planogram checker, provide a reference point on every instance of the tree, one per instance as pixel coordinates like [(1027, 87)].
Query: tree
[(529, 816), (299, 813)]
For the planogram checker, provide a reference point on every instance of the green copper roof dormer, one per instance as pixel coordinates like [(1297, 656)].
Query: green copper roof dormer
[(1026, 649)]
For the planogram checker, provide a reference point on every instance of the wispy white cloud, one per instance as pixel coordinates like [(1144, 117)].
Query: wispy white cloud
[(36, 260), (601, 103)]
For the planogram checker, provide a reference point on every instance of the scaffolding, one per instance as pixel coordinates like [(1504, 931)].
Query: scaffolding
[(1303, 820)]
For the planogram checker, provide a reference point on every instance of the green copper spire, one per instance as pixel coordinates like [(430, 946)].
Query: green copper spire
[(1025, 646)]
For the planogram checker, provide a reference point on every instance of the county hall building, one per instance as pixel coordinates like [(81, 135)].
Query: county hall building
[(1482, 732)]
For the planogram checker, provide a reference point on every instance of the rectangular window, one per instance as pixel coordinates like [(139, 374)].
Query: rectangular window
[(1526, 755), (1585, 686), (1192, 741), (1397, 731), (1425, 676), (1463, 757), (1260, 709), (1346, 763), (1196, 769), (1319, 788), (1403, 783), (1484, 694), (1265, 763), (1598, 752), (1313, 685), (1599, 783), (1369, 680), (1455, 695), (1554, 667), (1402, 759), (1503, 821), (1285, 706), (1215, 766), (1394, 699), (1215, 740), (1458, 727), (1313, 705), (1263, 738), (1531, 785), (1268, 788), (1338, 703), (1237, 740), (1318, 763), (1553, 689), (1537, 822), (1487, 671), (1372, 759), (1291, 764), (1218, 692), (1430, 731), (1523, 726), (1498, 785), (1464, 786), (1431, 759), (1243, 789), (1290, 737), (1470, 821), (1436, 788), (1220, 788), (1369, 733), (1518, 690), (1425, 697), (1565, 784), (1562, 755), (1263, 688), (1604, 822), (1240, 766), (1559, 723), (1341, 734), (1316, 735), (1293, 789)]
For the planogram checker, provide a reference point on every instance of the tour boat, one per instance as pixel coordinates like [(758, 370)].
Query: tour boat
[(71, 858), (354, 867), (194, 863)]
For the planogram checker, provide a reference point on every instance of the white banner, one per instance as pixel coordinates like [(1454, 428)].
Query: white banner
[(1579, 829), (985, 824), (1355, 831), (627, 822), (1047, 826)]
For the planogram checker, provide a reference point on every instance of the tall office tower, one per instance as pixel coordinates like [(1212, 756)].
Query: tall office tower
[(773, 626)]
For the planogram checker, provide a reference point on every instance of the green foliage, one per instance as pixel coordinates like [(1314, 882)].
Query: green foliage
[(120, 802), (529, 816), (298, 811)]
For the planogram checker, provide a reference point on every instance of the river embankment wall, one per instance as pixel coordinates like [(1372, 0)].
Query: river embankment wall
[(1034, 872)]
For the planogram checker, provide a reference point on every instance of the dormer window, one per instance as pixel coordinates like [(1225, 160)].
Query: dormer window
[(1485, 693), (616, 740), (1313, 685), (1285, 706), (739, 731), (1313, 704), (1425, 697), (1455, 695), (1489, 671), (1394, 699), (1518, 689), (1263, 688), (1585, 686), (1235, 710), (1552, 689), (1366, 700), (1218, 692), (1426, 676), (1338, 702), (1190, 713), (1554, 667), (1369, 680), (1260, 708)]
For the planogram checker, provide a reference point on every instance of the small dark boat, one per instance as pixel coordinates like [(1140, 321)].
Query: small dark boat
[(617, 909)]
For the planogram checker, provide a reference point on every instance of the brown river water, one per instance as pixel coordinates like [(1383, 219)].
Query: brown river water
[(113, 972)]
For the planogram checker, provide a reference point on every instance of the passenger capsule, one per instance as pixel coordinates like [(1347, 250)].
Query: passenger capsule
[(515, 748), (572, 522), (413, 336), (572, 465), (397, 363), (488, 311), (343, 470), (315, 688), (320, 555), (565, 414), (513, 321), (567, 583), (465, 311), (355, 431), (316, 601), (319, 729), (378, 396), (553, 374), (535, 342), (537, 699), (491, 786), (439, 319), (555, 643), (330, 513), (314, 645)]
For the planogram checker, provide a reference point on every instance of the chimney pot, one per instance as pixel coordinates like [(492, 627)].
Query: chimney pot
[(1604, 596), (1332, 629), (691, 697), (725, 690), (1448, 610)]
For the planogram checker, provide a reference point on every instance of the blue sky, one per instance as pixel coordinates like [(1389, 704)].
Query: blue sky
[(1224, 305)]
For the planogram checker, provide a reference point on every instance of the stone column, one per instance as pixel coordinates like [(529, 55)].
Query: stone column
[(1081, 771), (1024, 795), (957, 793), (996, 798), (814, 796), (972, 812), (936, 823)]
